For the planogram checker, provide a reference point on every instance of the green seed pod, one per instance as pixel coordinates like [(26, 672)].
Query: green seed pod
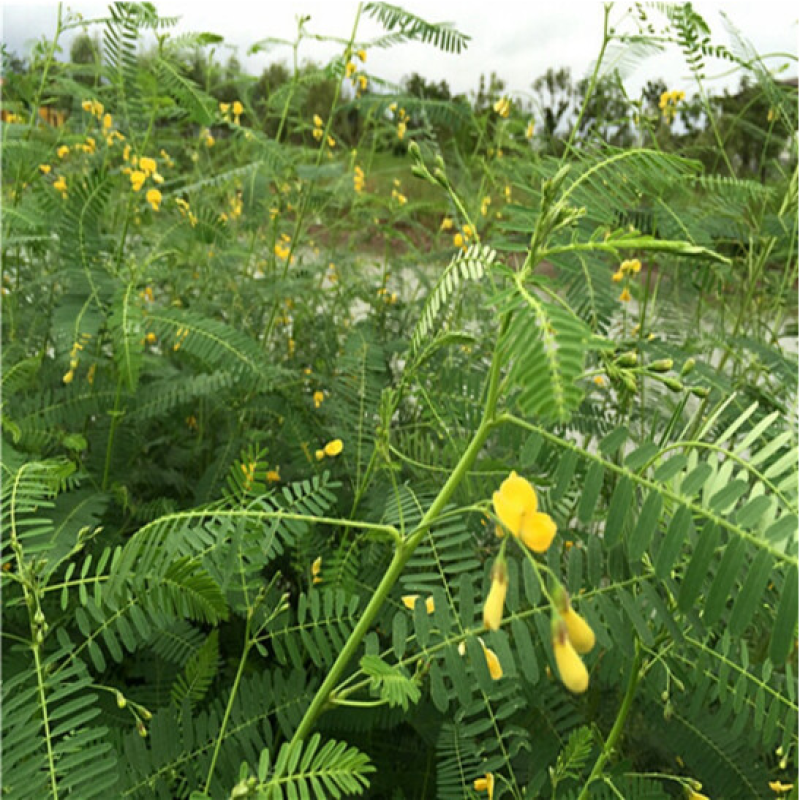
[(700, 391), (673, 385), (688, 366)]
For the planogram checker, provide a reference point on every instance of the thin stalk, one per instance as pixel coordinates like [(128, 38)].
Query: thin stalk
[(248, 643), (619, 724), (51, 764), (592, 82)]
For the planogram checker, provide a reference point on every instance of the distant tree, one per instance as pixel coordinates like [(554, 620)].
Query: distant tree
[(86, 54), (555, 97)]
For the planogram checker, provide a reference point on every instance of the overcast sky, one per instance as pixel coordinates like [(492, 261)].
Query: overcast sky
[(517, 39)]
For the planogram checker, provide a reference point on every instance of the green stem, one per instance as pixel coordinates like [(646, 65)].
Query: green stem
[(51, 765), (110, 444), (619, 724), (592, 82), (403, 552), (248, 643)]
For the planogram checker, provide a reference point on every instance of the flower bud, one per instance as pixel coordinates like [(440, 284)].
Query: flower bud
[(629, 359), (571, 669), (688, 366), (673, 385), (662, 365), (700, 391), (493, 607), (121, 701), (141, 728)]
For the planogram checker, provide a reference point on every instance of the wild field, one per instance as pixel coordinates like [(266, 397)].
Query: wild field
[(364, 439)]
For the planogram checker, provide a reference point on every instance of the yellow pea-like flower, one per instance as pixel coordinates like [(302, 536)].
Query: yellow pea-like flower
[(495, 600), (571, 668), (579, 631), (493, 663), (485, 784), (516, 505), (334, 448)]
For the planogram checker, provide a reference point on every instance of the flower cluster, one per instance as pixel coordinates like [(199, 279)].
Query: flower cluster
[(73, 358), (227, 108), (626, 268), (503, 107), (397, 194), (93, 107), (460, 239), (331, 449), (668, 103), (358, 179), (402, 120), (516, 506)]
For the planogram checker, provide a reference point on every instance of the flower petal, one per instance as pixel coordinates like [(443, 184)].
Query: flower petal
[(512, 500), (537, 531)]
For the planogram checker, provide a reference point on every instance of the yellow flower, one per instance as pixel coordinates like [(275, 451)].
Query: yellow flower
[(315, 570), (108, 121), (485, 205), (45, 168), (579, 631), (493, 663), (485, 784), (68, 377), (237, 108), (625, 297), (137, 180), (529, 130), (401, 129), (320, 454), (318, 121), (349, 69), (273, 475), (780, 788), (153, 197), (61, 186), (209, 139), (617, 276), (599, 380), (570, 667), (495, 600), (632, 265), (410, 600), (516, 506), (318, 398), (362, 54), (503, 107), (331, 141), (458, 240), (151, 338), (63, 151), (447, 224), (362, 83), (224, 108), (334, 448), (147, 165)]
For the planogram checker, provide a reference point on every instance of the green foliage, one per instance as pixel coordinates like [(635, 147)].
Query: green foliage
[(257, 412)]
